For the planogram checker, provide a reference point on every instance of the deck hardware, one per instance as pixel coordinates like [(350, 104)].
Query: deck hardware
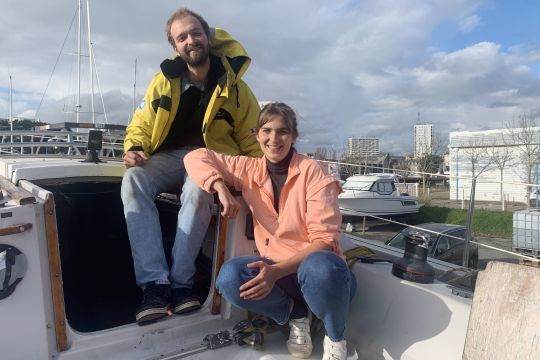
[(3, 201), (219, 340), (372, 260), (13, 265), (15, 229), (413, 266), (461, 292), (95, 142)]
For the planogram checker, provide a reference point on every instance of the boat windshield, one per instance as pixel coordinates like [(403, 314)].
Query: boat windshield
[(357, 185)]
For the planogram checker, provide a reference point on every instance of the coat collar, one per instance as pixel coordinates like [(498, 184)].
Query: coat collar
[(294, 170), (232, 56)]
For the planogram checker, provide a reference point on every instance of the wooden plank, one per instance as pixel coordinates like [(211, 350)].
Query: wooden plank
[(15, 229), (55, 272), (18, 195), (220, 258), (505, 314)]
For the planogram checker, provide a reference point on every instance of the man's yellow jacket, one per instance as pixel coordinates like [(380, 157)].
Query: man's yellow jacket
[(230, 131)]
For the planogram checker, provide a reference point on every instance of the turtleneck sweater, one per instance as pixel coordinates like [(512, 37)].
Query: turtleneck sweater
[(278, 174)]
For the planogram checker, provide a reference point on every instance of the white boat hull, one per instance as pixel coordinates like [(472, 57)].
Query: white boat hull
[(380, 205), (389, 318)]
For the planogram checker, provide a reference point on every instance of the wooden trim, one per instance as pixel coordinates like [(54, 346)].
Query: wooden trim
[(220, 259), (15, 229), (55, 272), (18, 195)]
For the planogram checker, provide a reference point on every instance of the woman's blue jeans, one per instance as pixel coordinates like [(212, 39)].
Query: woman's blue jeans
[(323, 278)]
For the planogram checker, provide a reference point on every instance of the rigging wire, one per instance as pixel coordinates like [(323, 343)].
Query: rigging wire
[(449, 177), (55, 64), (441, 175), (98, 84), (438, 233)]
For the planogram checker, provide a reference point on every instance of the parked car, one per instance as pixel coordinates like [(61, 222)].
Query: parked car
[(443, 244)]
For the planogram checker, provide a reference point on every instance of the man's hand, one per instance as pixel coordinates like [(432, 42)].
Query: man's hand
[(230, 205), (261, 285), (134, 158)]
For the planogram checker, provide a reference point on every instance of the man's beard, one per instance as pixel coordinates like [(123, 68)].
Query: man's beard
[(199, 57)]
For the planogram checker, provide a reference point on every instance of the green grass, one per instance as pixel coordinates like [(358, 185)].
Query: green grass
[(485, 222)]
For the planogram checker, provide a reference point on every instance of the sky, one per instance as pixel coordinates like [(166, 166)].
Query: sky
[(349, 68)]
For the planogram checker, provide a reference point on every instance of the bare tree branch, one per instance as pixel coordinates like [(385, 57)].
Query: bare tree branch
[(525, 134)]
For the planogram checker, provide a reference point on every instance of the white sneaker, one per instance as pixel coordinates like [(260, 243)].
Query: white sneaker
[(334, 350), (299, 343)]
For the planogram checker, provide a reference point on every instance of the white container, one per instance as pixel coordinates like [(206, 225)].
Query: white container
[(526, 230)]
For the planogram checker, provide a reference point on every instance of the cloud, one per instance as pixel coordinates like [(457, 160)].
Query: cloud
[(469, 23), (350, 68)]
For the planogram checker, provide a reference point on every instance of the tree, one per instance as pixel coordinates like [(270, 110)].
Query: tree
[(526, 136), (404, 165), (20, 124), (475, 152), (501, 157), (429, 162), (321, 153), (325, 153)]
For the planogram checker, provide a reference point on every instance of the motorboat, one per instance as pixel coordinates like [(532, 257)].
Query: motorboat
[(376, 194)]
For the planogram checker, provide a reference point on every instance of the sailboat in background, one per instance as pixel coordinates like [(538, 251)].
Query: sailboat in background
[(68, 138)]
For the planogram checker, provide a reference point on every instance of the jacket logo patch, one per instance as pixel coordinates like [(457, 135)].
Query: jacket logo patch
[(223, 114), (142, 104)]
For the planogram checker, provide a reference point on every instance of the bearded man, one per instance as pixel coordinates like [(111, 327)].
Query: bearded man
[(197, 100)]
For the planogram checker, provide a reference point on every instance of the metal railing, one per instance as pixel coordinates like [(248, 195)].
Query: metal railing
[(56, 143)]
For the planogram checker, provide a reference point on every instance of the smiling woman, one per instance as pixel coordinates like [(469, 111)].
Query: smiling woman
[(277, 131), (300, 271)]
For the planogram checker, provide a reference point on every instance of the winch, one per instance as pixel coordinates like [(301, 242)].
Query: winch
[(413, 265)]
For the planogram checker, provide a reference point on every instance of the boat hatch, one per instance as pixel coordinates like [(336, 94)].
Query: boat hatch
[(97, 266)]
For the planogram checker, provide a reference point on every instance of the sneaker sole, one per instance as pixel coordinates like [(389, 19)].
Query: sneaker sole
[(187, 307), (150, 315), (300, 351)]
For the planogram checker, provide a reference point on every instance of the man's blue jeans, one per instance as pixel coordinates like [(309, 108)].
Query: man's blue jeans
[(325, 281), (164, 172)]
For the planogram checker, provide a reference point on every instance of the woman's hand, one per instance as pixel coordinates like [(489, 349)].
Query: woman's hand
[(231, 206), (261, 285)]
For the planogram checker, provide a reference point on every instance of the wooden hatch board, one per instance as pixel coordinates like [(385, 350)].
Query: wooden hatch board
[(505, 314), (55, 272)]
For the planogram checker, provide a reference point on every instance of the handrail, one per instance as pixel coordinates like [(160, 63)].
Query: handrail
[(15, 229), (17, 194)]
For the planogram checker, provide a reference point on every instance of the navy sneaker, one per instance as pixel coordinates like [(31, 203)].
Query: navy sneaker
[(155, 303), (183, 301)]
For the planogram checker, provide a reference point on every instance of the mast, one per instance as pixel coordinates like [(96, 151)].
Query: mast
[(11, 112), (11, 107), (78, 104), (91, 62)]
